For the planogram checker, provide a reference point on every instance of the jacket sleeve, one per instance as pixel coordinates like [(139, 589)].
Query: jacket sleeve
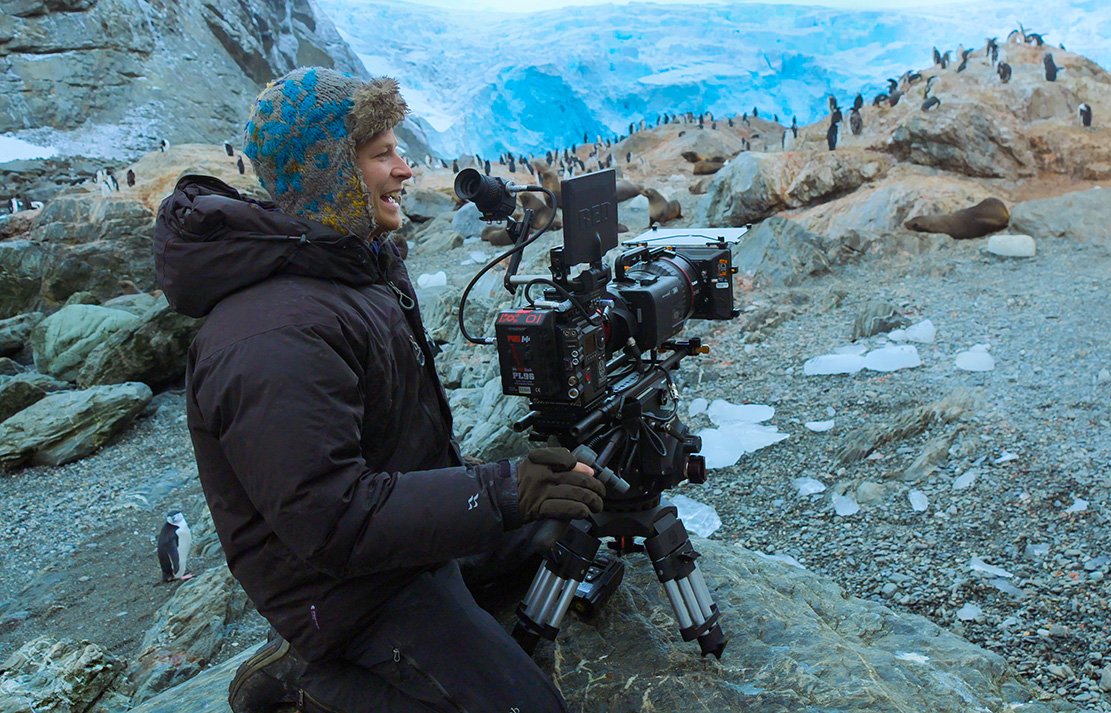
[(286, 406)]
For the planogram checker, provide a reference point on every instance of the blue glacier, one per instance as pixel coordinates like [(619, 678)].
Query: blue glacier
[(484, 82)]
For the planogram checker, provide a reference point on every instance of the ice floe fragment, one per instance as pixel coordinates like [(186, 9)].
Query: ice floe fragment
[(976, 359), (808, 486)]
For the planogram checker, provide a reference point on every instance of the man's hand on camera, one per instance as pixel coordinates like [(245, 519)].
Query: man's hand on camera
[(552, 483)]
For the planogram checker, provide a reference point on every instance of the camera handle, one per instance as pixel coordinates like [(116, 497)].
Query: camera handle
[(518, 231), (673, 557)]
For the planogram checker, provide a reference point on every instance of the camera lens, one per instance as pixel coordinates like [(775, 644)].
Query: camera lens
[(490, 195)]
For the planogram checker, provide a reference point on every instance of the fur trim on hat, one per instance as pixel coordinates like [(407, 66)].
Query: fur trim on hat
[(378, 107)]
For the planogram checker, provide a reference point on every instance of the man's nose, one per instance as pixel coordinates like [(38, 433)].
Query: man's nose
[(401, 169)]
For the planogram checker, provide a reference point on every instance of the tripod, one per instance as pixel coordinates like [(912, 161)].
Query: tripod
[(673, 558)]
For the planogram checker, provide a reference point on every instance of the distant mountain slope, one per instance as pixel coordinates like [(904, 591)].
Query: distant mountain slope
[(110, 78), (491, 82)]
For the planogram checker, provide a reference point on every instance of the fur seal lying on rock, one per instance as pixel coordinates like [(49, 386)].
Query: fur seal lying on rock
[(660, 209), (707, 167), (987, 216)]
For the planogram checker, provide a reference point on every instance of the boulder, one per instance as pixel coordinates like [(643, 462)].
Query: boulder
[(59, 676), (151, 349), (467, 221), (969, 141), (69, 425), (797, 642), (22, 264), (63, 341), (483, 420), (754, 186), (422, 204), (876, 317), (780, 252), (137, 304), (1081, 216), (189, 632), (21, 390), (15, 331)]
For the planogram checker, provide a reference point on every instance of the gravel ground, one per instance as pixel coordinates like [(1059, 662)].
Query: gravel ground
[(78, 541), (1046, 402)]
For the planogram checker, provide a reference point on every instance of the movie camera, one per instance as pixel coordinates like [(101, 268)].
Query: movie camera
[(594, 353)]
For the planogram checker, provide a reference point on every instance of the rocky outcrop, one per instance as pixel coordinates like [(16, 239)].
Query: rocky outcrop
[(63, 341), (15, 331), (19, 391), (189, 632), (56, 60), (1084, 216), (780, 252), (69, 425), (754, 186), (151, 349), (796, 642), (970, 142), (63, 676)]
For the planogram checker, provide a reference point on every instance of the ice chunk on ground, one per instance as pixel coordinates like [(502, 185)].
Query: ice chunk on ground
[(966, 479), (976, 359), (699, 518), (1012, 245), (1007, 457), (981, 567), (1078, 505), (435, 279), (903, 356), (922, 332), (697, 406), (808, 486), (819, 426), (1006, 587), (912, 657), (1037, 550), (723, 413), (844, 505), (970, 612), (833, 364), (723, 447), (918, 500), (853, 349)]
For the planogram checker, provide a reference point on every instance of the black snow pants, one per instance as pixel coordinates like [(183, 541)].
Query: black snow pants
[(434, 649)]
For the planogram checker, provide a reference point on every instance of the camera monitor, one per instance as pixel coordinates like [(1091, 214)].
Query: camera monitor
[(589, 216)]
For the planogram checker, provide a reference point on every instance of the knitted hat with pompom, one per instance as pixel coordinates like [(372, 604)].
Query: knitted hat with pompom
[(302, 136)]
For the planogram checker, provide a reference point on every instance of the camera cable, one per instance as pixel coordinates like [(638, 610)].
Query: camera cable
[(488, 266)]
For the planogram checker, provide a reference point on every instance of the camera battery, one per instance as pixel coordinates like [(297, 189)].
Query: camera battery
[(602, 579), (527, 339)]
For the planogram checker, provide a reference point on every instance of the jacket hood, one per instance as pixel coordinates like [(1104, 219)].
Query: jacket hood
[(211, 241)]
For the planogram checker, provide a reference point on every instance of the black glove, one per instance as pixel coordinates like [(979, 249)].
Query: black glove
[(547, 487)]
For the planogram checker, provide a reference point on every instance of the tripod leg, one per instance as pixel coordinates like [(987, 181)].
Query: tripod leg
[(554, 586), (673, 557)]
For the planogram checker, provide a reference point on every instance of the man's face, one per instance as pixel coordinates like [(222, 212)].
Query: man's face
[(384, 171)]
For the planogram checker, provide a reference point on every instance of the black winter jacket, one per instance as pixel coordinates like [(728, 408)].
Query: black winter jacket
[(321, 432)]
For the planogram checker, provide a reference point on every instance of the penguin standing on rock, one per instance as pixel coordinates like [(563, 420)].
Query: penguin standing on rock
[(856, 122), (228, 149), (1004, 71), (174, 541), (1050, 67), (1084, 111), (130, 178), (239, 165)]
